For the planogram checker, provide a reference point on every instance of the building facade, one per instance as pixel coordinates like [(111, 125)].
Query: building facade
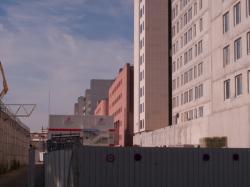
[(79, 106), (151, 67), (121, 105), (211, 48), (87, 130), (102, 108), (98, 90)]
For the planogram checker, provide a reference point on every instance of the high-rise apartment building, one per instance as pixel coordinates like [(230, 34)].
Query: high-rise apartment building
[(211, 74), (151, 97), (211, 69), (192, 61)]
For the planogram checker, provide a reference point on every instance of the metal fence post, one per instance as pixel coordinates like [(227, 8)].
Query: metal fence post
[(31, 169)]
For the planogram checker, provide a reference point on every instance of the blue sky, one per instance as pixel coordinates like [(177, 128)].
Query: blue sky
[(59, 45)]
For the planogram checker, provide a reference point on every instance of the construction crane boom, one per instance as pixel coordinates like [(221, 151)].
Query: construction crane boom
[(5, 84)]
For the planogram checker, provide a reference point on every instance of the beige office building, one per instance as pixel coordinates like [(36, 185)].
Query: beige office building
[(211, 74), (150, 65)]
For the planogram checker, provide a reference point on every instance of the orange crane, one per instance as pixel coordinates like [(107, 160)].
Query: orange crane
[(5, 84), (17, 110)]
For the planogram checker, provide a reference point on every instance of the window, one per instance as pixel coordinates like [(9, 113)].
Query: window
[(173, 31), (190, 115), (227, 89), (190, 95), (196, 93), (195, 71), (194, 30), (173, 84), (185, 19), (200, 69), (140, 108), (238, 85), (195, 50), (140, 92), (174, 67), (190, 74), (190, 14), (200, 4), (195, 8), (248, 7), (190, 54), (176, 9), (237, 49), (185, 77), (226, 56), (186, 97), (199, 91), (226, 22), (195, 113), (190, 34), (185, 38), (237, 14), (201, 24), (248, 80), (200, 47), (185, 58), (248, 43), (201, 111)]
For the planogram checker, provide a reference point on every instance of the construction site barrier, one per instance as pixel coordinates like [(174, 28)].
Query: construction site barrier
[(147, 167)]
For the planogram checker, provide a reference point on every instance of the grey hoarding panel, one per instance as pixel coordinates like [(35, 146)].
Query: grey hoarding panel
[(148, 167)]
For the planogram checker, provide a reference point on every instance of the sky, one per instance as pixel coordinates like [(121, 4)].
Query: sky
[(57, 46)]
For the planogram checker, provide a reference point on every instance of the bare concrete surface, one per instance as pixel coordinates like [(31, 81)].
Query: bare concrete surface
[(19, 178)]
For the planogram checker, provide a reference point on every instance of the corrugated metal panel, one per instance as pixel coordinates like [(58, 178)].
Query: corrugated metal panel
[(148, 167)]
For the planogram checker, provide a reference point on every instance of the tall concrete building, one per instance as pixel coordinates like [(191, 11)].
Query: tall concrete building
[(210, 69), (151, 78), (211, 73), (99, 89), (192, 62)]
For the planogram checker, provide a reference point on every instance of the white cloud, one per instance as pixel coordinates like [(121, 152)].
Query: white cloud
[(38, 60)]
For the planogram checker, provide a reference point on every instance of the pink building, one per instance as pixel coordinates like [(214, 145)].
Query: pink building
[(102, 108), (121, 105)]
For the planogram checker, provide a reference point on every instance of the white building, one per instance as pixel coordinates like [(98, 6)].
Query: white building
[(150, 65), (91, 130), (211, 65)]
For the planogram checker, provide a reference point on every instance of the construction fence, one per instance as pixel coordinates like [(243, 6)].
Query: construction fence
[(147, 167)]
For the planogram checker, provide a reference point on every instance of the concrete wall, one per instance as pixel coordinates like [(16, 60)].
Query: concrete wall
[(232, 123)]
